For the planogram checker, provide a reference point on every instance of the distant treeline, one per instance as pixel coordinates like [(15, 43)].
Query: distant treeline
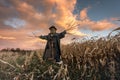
[(15, 50)]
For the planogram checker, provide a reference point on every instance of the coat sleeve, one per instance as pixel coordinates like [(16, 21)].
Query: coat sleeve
[(62, 34), (44, 37)]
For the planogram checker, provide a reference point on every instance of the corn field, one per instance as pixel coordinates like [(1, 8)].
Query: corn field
[(94, 59)]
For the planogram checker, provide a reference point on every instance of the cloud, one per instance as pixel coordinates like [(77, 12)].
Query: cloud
[(86, 22), (14, 22), (77, 33), (83, 14), (114, 18), (96, 25), (31, 15), (64, 16), (7, 38)]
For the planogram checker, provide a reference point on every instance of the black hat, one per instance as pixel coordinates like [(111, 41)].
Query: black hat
[(53, 27)]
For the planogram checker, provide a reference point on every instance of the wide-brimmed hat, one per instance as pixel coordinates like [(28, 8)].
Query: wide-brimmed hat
[(52, 27)]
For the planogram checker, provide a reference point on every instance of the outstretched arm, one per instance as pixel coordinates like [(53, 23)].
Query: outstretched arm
[(44, 37), (62, 34)]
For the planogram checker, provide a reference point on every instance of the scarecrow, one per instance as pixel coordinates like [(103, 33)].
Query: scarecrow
[(52, 49)]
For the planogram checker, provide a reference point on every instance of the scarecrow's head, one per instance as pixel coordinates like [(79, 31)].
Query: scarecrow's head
[(52, 29)]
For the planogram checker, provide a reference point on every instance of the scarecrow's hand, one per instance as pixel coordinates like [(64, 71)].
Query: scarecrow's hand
[(71, 26), (70, 29)]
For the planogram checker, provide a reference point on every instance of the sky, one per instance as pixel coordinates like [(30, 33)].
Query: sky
[(20, 20)]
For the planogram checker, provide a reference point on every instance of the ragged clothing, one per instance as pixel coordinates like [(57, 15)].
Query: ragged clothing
[(52, 49)]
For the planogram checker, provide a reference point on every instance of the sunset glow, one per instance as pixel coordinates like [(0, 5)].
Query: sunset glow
[(19, 18)]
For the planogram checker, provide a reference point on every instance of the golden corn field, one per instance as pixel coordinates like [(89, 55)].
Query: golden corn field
[(94, 59)]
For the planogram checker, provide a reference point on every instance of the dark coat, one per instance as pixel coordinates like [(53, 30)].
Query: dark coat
[(52, 49)]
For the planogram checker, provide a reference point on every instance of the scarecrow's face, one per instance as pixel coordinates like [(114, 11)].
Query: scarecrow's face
[(52, 30)]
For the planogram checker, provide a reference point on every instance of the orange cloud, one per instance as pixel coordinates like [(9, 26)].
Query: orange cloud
[(102, 25), (115, 18), (86, 22), (77, 33), (28, 11), (40, 15), (7, 38), (64, 16), (34, 43), (83, 14)]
